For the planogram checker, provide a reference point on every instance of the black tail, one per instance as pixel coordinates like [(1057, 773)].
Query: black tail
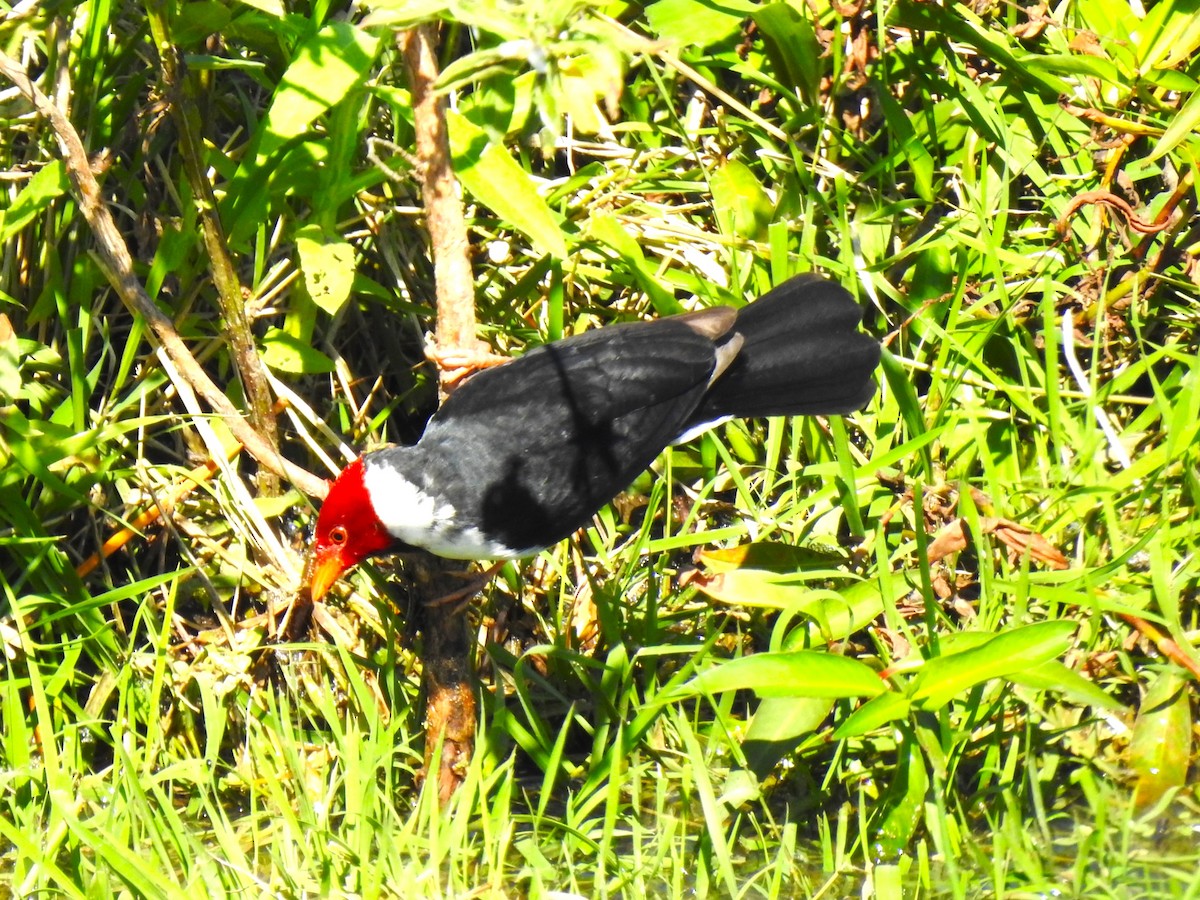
[(802, 354)]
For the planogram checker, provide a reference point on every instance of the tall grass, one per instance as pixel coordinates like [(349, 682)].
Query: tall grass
[(1007, 533)]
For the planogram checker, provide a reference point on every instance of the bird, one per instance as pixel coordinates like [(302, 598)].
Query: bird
[(523, 454)]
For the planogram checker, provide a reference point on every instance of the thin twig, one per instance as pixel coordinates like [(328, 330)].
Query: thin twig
[(115, 261)]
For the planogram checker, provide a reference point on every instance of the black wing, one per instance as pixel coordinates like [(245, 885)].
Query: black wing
[(547, 439)]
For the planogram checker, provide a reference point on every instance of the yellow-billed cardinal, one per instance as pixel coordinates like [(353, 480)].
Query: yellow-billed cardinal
[(523, 454)]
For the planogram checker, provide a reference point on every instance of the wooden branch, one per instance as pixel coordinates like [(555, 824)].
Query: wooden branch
[(115, 261), (448, 672), (443, 210)]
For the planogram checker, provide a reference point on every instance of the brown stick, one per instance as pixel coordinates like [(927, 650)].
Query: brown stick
[(115, 261), (443, 207), (448, 666), (1165, 645), (1108, 198), (448, 673)]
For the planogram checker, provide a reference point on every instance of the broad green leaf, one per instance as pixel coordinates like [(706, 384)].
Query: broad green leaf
[(271, 7), (1162, 742), (10, 365), (586, 80), (796, 673), (904, 803), (1114, 19), (778, 726), (876, 712), (1075, 64), (920, 162), (1054, 676), (835, 614), (327, 67), (757, 588), (278, 504), (1169, 35), (946, 677), (286, 353), (792, 47), (838, 614), (773, 557), (198, 19), (403, 13), (743, 207), (495, 179), (327, 263), (42, 189), (697, 23)]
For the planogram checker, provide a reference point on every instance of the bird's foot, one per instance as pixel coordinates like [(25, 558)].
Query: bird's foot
[(457, 364), (473, 587)]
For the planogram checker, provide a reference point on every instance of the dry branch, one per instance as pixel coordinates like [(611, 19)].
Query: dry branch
[(448, 670), (455, 283)]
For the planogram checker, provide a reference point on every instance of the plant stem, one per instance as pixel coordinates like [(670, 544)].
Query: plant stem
[(179, 91)]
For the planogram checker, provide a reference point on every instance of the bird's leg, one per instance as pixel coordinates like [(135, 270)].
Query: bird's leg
[(473, 587), (457, 364)]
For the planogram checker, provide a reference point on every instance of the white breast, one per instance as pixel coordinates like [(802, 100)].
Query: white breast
[(417, 518)]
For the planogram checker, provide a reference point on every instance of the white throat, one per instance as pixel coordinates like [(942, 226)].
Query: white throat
[(418, 519)]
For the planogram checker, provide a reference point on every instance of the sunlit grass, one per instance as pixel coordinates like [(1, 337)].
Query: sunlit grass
[(1041, 370)]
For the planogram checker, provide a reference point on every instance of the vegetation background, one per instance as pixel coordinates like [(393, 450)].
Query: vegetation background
[(686, 699)]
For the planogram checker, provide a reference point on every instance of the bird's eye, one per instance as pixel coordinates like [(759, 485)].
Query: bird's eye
[(337, 534)]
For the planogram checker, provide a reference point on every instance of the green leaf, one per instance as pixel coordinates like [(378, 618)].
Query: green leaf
[(875, 713), (270, 7), (1162, 739), (920, 162), (286, 353), (961, 24), (495, 179), (10, 364), (44, 188), (697, 23), (197, 19), (1075, 64), (607, 230), (1183, 125), (327, 263), (326, 68), (792, 47), (1169, 35), (835, 614), (796, 673), (778, 726), (946, 677), (743, 207), (1054, 676), (904, 803), (586, 79), (403, 13), (771, 556)]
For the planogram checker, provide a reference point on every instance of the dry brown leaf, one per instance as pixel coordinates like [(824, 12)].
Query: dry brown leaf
[(1033, 26), (951, 539), (585, 624), (1018, 538)]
